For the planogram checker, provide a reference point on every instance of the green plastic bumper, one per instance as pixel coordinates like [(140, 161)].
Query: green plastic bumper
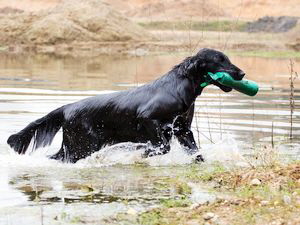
[(244, 86)]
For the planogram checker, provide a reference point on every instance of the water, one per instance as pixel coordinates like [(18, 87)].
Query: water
[(230, 125)]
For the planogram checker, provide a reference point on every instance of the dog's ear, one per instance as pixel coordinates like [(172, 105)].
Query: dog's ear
[(195, 65), (191, 66)]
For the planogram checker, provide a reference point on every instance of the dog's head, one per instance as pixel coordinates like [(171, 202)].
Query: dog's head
[(209, 60)]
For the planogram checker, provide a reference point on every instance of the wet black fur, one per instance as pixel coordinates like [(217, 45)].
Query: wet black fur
[(145, 114)]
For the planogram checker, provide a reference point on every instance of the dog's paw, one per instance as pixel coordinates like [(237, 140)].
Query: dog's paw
[(148, 153), (199, 159), (144, 155)]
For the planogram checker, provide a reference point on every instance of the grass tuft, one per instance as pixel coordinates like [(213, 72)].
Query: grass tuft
[(222, 25), (151, 217), (267, 54), (174, 203)]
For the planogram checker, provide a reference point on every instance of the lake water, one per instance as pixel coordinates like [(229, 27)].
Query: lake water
[(35, 190)]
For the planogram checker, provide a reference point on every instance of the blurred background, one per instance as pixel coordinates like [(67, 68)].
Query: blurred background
[(54, 52)]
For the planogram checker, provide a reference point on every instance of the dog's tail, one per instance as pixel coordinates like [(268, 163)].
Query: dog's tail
[(42, 131)]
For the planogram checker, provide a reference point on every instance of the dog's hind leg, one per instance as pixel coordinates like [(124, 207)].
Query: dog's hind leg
[(60, 155), (77, 144), (63, 152)]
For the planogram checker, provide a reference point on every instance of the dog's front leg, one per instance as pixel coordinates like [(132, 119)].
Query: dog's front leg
[(186, 139), (160, 143), (182, 131)]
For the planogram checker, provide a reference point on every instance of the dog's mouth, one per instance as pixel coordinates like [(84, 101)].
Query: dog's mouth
[(234, 74), (237, 75), (222, 87)]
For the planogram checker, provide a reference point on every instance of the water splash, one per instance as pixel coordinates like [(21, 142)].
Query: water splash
[(226, 151)]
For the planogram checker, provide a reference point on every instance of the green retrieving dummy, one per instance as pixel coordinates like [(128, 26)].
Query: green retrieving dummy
[(244, 86)]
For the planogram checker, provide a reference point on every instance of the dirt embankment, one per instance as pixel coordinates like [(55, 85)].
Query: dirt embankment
[(10, 10), (272, 24), (281, 24), (191, 9), (174, 10), (205, 10), (29, 5), (254, 9), (69, 21), (67, 26)]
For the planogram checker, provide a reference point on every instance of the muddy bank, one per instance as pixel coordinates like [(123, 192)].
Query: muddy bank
[(70, 21), (261, 195), (294, 39), (254, 44)]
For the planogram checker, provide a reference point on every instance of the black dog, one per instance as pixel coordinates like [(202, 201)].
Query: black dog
[(148, 114)]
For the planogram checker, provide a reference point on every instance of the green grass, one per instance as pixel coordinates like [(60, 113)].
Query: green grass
[(263, 192), (151, 217), (181, 187), (174, 203), (196, 173), (268, 54), (221, 25)]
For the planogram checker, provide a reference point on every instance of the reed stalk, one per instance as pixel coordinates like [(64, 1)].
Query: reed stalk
[(293, 77)]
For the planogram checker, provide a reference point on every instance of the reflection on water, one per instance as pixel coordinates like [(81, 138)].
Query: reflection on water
[(31, 86), (113, 73), (90, 194), (105, 185)]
